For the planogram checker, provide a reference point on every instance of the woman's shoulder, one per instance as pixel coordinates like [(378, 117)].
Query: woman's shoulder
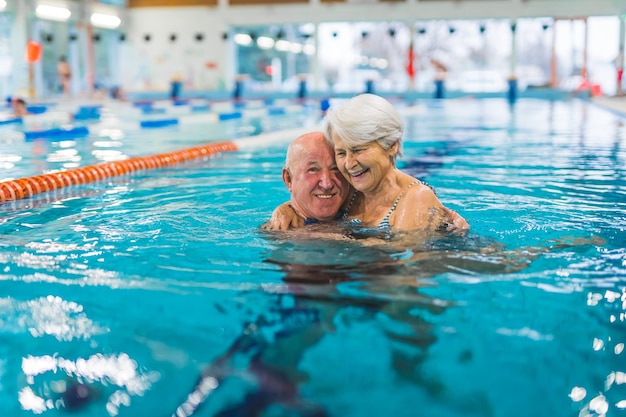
[(419, 209), (406, 181), (415, 185), (420, 192)]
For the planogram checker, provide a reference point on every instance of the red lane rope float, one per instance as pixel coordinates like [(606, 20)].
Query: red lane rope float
[(28, 186)]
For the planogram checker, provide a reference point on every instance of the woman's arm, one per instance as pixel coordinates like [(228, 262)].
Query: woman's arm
[(284, 217)]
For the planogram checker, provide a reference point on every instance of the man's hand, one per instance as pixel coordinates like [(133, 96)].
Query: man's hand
[(457, 223)]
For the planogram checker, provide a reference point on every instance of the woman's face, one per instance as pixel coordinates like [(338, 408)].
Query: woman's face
[(364, 166)]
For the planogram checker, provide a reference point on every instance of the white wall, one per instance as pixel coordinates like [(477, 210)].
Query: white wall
[(368, 10), (149, 66)]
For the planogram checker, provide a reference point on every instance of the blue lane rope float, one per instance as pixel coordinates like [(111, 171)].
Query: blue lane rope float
[(36, 109), (12, 120), (230, 116), (88, 113), (57, 133), (151, 124)]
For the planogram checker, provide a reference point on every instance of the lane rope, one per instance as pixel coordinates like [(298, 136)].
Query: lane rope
[(28, 186)]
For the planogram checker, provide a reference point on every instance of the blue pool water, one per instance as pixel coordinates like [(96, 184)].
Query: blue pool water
[(137, 286)]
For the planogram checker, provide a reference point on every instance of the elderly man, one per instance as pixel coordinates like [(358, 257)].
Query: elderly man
[(317, 188)]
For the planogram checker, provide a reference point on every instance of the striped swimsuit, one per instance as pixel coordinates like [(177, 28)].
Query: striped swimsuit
[(383, 229)]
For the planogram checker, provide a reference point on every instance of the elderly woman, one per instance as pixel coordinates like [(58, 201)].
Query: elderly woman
[(366, 135)]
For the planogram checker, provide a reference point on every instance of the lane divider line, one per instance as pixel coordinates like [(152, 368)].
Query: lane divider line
[(22, 188), (25, 187)]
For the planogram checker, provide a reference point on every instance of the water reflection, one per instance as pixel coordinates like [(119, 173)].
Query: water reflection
[(59, 382), (613, 393), (334, 286), (52, 316), (53, 381)]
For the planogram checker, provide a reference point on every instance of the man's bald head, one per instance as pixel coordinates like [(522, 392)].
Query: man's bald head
[(302, 144)]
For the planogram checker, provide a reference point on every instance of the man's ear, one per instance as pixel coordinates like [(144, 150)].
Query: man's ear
[(287, 178)]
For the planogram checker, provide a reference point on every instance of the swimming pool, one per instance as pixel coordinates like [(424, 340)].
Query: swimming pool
[(139, 285)]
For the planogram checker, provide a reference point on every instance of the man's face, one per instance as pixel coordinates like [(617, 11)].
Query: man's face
[(317, 188)]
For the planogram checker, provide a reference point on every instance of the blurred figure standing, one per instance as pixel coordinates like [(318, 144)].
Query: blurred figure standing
[(65, 74), (619, 68)]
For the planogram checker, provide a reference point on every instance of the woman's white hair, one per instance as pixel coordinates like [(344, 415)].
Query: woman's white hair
[(364, 119)]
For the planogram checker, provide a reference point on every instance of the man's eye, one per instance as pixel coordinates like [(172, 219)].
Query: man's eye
[(340, 153), (313, 170)]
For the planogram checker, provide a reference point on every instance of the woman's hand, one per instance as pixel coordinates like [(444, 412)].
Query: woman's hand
[(284, 217)]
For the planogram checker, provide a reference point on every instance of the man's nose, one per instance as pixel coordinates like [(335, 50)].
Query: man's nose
[(326, 179)]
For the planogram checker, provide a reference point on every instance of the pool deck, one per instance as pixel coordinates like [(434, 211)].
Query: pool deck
[(615, 103)]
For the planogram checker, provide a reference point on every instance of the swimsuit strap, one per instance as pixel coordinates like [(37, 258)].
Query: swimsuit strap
[(344, 216), (384, 224), (395, 203)]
